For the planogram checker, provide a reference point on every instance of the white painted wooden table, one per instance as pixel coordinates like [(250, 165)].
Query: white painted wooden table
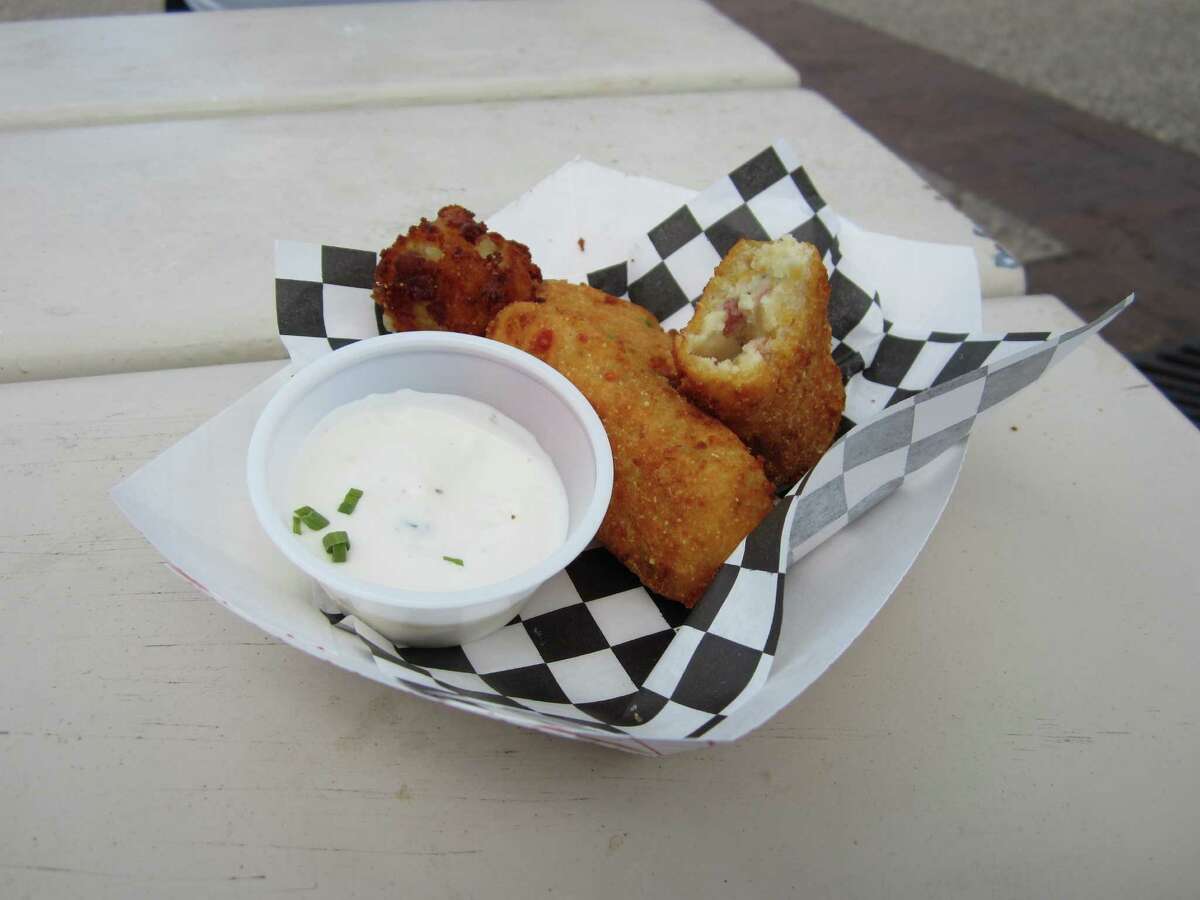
[(1020, 721), (150, 161), (170, 225), (139, 68)]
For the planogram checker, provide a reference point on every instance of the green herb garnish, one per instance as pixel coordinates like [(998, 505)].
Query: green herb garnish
[(295, 524), (335, 539), (336, 544), (351, 500), (309, 517), (453, 559)]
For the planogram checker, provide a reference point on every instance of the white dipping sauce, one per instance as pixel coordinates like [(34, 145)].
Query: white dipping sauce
[(442, 476)]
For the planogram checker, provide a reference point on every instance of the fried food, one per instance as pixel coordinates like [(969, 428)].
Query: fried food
[(632, 325), (451, 274), (757, 354), (685, 489)]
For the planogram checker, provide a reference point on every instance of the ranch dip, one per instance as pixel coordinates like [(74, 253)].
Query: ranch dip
[(454, 494)]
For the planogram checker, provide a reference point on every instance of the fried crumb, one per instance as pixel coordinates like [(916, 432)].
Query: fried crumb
[(451, 274)]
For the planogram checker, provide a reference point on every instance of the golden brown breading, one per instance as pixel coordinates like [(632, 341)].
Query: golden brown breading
[(451, 274), (685, 489), (757, 354), (631, 324)]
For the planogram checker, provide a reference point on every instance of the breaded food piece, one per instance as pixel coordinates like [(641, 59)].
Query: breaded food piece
[(451, 274), (632, 325), (685, 489), (757, 354)]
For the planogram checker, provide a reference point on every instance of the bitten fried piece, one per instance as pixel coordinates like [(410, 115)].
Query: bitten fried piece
[(685, 489), (757, 354), (451, 274)]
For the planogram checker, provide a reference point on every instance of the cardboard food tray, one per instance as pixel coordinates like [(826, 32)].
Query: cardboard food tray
[(594, 656)]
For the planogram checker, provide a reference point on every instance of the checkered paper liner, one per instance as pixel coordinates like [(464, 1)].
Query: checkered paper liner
[(910, 393), (765, 198), (594, 654)]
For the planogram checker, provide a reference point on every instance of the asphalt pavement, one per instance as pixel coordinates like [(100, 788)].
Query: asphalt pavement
[(1130, 63)]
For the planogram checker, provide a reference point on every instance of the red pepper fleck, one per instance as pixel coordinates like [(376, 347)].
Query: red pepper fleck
[(610, 376), (582, 338), (542, 342)]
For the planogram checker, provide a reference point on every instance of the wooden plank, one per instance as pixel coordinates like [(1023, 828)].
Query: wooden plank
[(1025, 698), (140, 68), (149, 246)]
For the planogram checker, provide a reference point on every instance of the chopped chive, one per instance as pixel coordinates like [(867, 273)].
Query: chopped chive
[(339, 553), (310, 517), (295, 524), (351, 500), (453, 559), (336, 539)]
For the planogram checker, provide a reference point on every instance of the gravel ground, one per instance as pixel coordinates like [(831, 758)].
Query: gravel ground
[(1135, 63)]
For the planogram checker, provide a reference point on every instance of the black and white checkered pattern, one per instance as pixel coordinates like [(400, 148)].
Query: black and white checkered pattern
[(594, 655), (906, 363), (874, 458), (596, 651), (763, 199), (882, 362), (323, 298)]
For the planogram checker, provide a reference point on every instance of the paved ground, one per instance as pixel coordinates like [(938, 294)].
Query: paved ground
[(1133, 63)]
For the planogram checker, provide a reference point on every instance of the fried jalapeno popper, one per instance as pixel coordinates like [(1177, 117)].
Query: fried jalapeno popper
[(451, 274), (685, 489), (757, 354)]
